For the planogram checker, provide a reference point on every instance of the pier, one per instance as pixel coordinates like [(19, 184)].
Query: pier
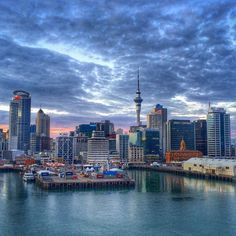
[(179, 171), (56, 183), (10, 169)]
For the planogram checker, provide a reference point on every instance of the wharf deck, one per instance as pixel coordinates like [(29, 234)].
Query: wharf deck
[(181, 172), (56, 183), (10, 169)]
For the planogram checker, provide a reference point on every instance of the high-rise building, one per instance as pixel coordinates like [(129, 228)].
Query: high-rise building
[(86, 129), (178, 130), (98, 148), (3, 143), (156, 119), (80, 147), (13, 116), (201, 136), (151, 142), (19, 121), (218, 133), (106, 126), (64, 148), (135, 138), (138, 101), (122, 144), (42, 124), (43, 130)]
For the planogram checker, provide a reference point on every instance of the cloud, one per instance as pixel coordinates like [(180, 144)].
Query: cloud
[(81, 58)]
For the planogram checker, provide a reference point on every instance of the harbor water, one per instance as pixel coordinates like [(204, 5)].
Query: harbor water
[(160, 204)]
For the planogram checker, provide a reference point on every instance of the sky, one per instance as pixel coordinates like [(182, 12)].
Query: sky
[(79, 59)]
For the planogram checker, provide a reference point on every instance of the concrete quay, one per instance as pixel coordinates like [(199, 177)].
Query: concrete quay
[(181, 172)]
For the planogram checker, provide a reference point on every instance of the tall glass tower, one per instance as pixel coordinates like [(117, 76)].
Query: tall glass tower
[(218, 133), (138, 101), (156, 119), (20, 109)]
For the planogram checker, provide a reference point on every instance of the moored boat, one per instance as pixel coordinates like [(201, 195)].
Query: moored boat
[(28, 177)]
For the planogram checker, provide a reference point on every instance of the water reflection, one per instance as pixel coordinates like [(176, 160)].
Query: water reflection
[(147, 181), (12, 187)]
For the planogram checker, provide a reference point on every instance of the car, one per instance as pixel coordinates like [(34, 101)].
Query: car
[(155, 164)]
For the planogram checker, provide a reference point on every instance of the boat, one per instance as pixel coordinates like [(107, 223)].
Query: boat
[(28, 177)]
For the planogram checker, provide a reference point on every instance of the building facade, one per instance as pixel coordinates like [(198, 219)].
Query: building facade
[(98, 148), (136, 154), (200, 127), (64, 148), (19, 121), (122, 144), (178, 130), (218, 133), (156, 119)]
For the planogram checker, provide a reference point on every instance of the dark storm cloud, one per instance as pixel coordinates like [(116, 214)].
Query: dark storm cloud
[(185, 50)]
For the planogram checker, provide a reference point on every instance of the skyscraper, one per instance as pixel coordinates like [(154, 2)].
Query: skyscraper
[(122, 144), (178, 130), (138, 101), (156, 119), (19, 120), (43, 130), (42, 124), (13, 116), (218, 133), (201, 136), (106, 126)]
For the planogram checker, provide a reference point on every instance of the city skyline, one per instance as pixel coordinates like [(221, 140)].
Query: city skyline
[(80, 62)]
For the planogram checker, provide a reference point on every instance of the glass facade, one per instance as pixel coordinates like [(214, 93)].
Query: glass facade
[(201, 136), (178, 130), (218, 133)]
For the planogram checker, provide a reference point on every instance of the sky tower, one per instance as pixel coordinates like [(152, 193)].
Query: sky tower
[(138, 100)]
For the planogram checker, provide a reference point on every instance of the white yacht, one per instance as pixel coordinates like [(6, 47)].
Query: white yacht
[(27, 177)]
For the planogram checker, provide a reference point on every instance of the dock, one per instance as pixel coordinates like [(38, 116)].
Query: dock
[(179, 171), (10, 169), (55, 183)]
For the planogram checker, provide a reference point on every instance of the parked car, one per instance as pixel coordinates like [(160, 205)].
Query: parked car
[(155, 164)]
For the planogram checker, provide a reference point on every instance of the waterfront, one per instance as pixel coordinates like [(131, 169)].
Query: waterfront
[(161, 204)]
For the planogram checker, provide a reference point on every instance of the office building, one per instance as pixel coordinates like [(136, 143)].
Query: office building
[(156, 119), (151, 141), (218, 133), (135, 154), (64, 148), (80, 147), (122, 144), (3, 143), (19, 121), (42, 124), (86, 129), (106, 126), (13, 117), (200, 127), (98, 148), (178, 130)]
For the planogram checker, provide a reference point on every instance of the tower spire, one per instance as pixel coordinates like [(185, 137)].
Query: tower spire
[(138, 79), (138, 100)]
